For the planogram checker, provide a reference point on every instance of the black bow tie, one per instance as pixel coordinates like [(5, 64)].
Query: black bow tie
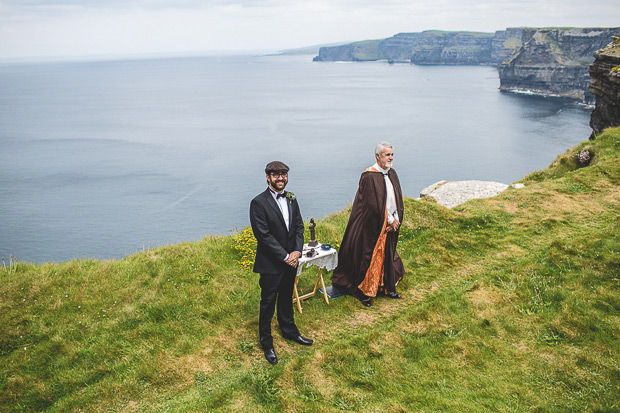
[(278, 196)]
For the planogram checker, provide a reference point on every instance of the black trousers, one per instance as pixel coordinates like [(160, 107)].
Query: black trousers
[(276, 291)]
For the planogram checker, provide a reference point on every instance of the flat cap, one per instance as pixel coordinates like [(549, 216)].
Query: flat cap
[(276, 166)]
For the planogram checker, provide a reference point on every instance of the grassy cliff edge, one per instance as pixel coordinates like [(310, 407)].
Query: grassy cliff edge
[(510, 303)]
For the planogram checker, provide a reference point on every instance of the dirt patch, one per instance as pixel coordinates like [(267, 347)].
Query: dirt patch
[(486, 300), (190, 364), (485, 295)]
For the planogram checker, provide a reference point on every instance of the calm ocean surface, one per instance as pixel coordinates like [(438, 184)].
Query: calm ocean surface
[(96, 157)]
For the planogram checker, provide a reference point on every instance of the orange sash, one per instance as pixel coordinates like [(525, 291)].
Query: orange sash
[(374, 276)]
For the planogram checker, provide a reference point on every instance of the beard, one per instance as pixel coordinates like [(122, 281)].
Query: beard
[(277, 184)]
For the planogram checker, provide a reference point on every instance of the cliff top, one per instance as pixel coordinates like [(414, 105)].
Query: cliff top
[(509, 303), (366, 42), (444, 32), (612, 49)]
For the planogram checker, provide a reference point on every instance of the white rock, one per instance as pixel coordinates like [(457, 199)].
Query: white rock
[(453, 193), (426, 191)]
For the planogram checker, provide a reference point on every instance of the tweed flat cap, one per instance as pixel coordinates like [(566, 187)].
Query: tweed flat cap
[(276, 166)]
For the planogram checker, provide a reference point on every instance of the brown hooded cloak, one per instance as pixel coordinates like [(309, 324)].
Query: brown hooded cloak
[(366, 226)]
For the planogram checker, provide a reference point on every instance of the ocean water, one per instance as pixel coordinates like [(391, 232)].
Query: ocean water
[(100, 159)]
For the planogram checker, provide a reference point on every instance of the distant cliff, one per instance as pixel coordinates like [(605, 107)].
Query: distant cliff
[(605, 86), (546, 61), (353, 52), (506, 43), (431, 47), (435, 47), (554, 62)]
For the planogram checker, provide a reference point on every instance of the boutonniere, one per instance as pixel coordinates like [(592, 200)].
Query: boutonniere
[(290, 196)]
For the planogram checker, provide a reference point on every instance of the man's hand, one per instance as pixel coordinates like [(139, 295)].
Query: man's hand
[(293, 259), (394, 226)]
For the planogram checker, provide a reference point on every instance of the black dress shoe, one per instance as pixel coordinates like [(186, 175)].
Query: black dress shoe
[(366, 303), (301, 340), (270, 355), (394, 294)]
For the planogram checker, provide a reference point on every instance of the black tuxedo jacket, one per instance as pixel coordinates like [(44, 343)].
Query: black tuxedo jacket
[(274, 240)]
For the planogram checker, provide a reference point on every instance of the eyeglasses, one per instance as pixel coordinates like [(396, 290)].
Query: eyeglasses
[(278, 174)]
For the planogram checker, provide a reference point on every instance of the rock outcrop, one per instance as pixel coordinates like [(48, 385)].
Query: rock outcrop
[(554, 62), (605, 86), (454, 193)]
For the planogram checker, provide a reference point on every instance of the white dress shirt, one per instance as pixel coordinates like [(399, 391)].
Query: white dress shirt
[(391, 197), (282, 203)]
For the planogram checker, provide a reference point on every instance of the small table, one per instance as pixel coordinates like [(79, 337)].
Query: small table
[(324, 259)]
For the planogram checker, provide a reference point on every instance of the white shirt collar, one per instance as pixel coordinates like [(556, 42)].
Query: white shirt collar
[(273, 191), (380, 169)]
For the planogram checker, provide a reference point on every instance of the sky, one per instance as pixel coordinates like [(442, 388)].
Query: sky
[(65, 28)]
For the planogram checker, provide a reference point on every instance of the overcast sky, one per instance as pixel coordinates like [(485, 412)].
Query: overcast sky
[(33, 28)]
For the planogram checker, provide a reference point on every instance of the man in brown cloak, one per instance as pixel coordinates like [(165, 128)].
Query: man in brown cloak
[(368, 263)]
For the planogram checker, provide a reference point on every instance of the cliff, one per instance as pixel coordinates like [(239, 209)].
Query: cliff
[(546, 61), (554, 61), (353, 52), (506, 43), (515, 297), (431, 47), (436, 47), (605, 86)]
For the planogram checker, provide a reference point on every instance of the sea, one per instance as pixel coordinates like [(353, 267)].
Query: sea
[(101, 159)]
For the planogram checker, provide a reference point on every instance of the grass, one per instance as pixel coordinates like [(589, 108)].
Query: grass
[(510, 303), (445, 33)]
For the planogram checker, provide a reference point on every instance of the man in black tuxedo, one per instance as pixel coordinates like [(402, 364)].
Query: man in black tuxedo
[(279, 229)]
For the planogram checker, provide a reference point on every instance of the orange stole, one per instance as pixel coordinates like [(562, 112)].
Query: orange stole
[(374, 276)]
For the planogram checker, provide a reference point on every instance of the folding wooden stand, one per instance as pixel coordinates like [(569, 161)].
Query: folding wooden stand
[(297, 299)]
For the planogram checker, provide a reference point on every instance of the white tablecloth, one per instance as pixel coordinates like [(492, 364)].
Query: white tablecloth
[(327, 259)]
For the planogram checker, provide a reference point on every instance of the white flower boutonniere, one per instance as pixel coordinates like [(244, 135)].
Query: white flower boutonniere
[(291, 197)]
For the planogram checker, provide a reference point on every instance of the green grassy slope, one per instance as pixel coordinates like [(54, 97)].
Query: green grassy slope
[(510, 303)]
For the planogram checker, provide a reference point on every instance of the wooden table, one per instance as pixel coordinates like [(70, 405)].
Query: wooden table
[(324, 259)]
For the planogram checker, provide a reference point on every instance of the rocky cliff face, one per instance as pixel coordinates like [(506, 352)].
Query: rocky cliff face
[(554, 62), (431, 48), (550, 61), (434, 48), (505, 44), (605, 86), (353, 52)]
